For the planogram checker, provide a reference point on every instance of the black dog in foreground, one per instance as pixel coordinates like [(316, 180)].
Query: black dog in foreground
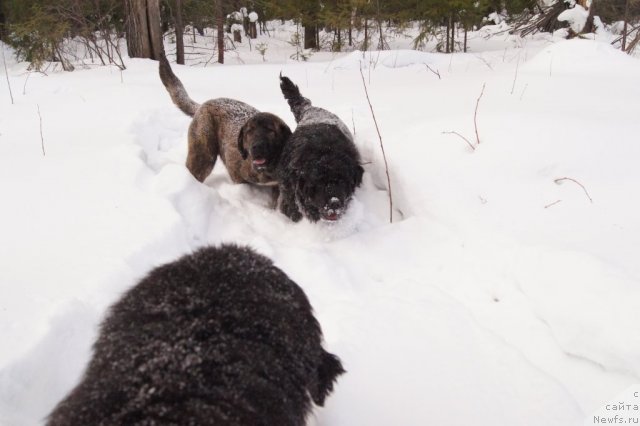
[(219, 337), (319, 168)]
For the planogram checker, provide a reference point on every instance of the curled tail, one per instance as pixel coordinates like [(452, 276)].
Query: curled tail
[(175, 88), (297, 102)]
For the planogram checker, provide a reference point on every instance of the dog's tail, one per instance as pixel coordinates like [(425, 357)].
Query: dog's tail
[(297, 102), (175, 88)]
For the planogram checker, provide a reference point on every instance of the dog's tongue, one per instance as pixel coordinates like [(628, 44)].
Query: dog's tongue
[(332, 216), (259, 161)]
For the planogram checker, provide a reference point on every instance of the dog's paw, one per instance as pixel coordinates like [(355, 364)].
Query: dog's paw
[(295, 216)]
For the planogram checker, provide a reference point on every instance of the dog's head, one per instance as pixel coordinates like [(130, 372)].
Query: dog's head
[(261, 138), (326, 194), (330, 175)]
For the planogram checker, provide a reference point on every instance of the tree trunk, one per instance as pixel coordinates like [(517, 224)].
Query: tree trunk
[(624, 29), (465, 39), (446, 49), (220, 31), (179, 33), (588, 26), (310, 36), (381, 42), (365, 46), (144, 36), (453, 34), (3, 20)]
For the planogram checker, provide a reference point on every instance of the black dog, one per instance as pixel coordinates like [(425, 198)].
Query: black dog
[(219, 337), (319, 168)]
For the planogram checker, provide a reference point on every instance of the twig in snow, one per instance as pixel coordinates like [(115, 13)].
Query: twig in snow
[(515, 77), (384, 156), (485, 62), (523, 90), (353, 123), (559, 180), (552, 204), (459, 135), (24, 88), (6, 73), (41, 136), (436, 72), (475, 115)]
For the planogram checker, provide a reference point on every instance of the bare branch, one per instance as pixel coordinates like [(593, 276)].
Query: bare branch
[(515, 77), (523, 90), (475, 115), (485, 62), (6, 73), (552, 204), (353, 122), (384, 156), (559, 180), (459, 135), (41, 136), (436, 72)]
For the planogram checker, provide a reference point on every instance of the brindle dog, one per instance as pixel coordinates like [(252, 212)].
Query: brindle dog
[(248, 141)]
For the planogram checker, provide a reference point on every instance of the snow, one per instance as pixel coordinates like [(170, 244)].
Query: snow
[(576, 16), (497, 296), (253, 17)]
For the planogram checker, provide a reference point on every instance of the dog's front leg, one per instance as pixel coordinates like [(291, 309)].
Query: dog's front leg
[(275, 197), (287, 201)]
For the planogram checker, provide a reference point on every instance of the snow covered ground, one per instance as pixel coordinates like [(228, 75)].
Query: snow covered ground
[(505, 292)]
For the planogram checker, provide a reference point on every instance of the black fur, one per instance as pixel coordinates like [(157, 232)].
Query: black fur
[(219, 337), (296, 101), (319, 167)]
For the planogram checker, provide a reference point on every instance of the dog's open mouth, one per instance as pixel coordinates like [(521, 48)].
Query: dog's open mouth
[(259, 163), (331, 215)]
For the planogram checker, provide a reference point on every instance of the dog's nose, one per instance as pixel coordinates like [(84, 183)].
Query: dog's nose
[(334, 203)]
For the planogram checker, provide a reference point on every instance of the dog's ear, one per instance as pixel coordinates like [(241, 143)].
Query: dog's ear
[(327, 372), (241, 148)]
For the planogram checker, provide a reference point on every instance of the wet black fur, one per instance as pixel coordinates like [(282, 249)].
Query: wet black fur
[(219, 337), (319, 161)]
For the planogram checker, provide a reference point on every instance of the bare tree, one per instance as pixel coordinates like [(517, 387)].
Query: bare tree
[(220, 32), (179, 33), (144, 34), (626, 23)]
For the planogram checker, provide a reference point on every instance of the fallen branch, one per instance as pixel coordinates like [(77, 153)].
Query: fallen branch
[(559, 180), (459, 135), (475, 115), (515, 77), (353, 122), (552, 204), (436, 72), (6, 73), (485, 62), (41, 136), (523, 90), (384, 156)]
